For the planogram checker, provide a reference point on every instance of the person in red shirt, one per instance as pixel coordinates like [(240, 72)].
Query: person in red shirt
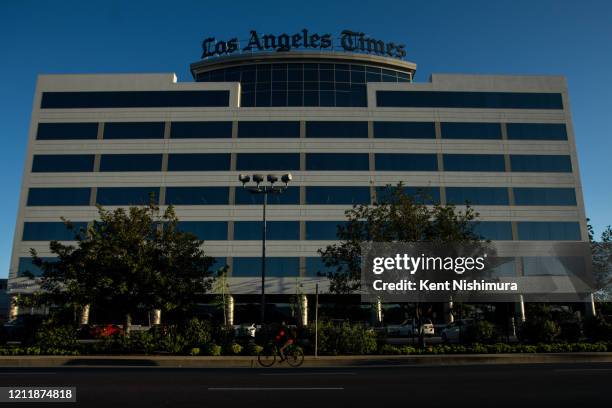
[(283, 339)]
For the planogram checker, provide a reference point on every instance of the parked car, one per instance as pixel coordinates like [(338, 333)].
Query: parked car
[(411, 329), (23, 328), (454, 331), (104, 330), (245, 330)]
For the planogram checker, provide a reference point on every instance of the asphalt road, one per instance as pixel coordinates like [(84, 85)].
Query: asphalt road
[(517, 386)]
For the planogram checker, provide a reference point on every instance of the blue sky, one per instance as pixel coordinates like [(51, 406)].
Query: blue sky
[(493, 37)]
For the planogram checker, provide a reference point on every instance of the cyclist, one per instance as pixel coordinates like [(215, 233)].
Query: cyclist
[(284, 338)]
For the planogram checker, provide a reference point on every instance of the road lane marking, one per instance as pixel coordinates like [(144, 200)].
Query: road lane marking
[(308, 373), (275, 388)]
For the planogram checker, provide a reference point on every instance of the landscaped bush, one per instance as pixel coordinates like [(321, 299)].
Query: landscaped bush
[(480, 332), (54, 338), (539, 331), (346, 339), (596, 328), (212, 350), (197, 332)]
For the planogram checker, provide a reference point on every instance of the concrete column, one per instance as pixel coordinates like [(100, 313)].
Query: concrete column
[(590, 305), (13, 309), (521, 309), (155, 317), (448, 312), (229, 310), (84, 316), (303, 310), (378, 314)]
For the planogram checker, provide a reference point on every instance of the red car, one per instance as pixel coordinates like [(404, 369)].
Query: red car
[(105, 330)]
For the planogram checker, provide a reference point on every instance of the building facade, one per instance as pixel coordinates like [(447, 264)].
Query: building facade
[(345, 124)]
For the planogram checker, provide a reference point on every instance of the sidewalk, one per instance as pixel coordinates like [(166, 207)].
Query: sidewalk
[(309, 361)]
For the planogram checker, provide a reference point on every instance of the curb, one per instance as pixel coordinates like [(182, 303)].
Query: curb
[(310, 361)]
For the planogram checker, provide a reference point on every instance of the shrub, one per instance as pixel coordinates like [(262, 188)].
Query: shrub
[(212, 350), (480, 332), (233, 349), (197, 332), (56, 338), (195, 351), (346, 339), (252, 349), (407, 350), (539, 331), (389, 349), (596, 328)]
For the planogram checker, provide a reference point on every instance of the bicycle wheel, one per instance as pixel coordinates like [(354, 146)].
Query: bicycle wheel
[(266, 357), (294, 356)]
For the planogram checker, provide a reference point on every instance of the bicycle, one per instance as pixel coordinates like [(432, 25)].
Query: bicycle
[(293, 355)]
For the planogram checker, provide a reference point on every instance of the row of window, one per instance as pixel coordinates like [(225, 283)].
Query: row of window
[(291, 129), (291, 161), (315, 230), (314, 266), (453, 99), (241, 267), (80, 196), (133, 99), (297, 84)]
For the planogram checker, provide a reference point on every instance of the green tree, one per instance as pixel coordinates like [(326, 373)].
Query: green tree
[(398, 218), (128, 259)]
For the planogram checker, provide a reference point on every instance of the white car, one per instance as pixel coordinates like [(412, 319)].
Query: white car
[(245, 330), (410, 329), (455, 330)]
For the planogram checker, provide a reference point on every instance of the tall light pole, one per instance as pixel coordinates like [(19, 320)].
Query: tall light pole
[(264, 189)]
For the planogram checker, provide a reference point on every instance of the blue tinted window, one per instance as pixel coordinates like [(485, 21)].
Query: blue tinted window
[(198, 161), (200, 130), (131, 162), (544, 196), (337, 129), (541, 163), (337, 161), (127, 195), (316, 267), (27, 267), (58, 196), (553, 266), (492, 100), (269, 129), (404, 130), (50, 231), (205, 230), (548, 231), (460, 130), (290, 195), (268, 161), (424, 195), (133, 99), (276, 230), (197, 195), (406, 162), (275, 267), (493, 230), (67, 131), (477, 195), (322, 230), (474, 162), (134, 130), (62, 163), (536, 131), (337, 195)]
